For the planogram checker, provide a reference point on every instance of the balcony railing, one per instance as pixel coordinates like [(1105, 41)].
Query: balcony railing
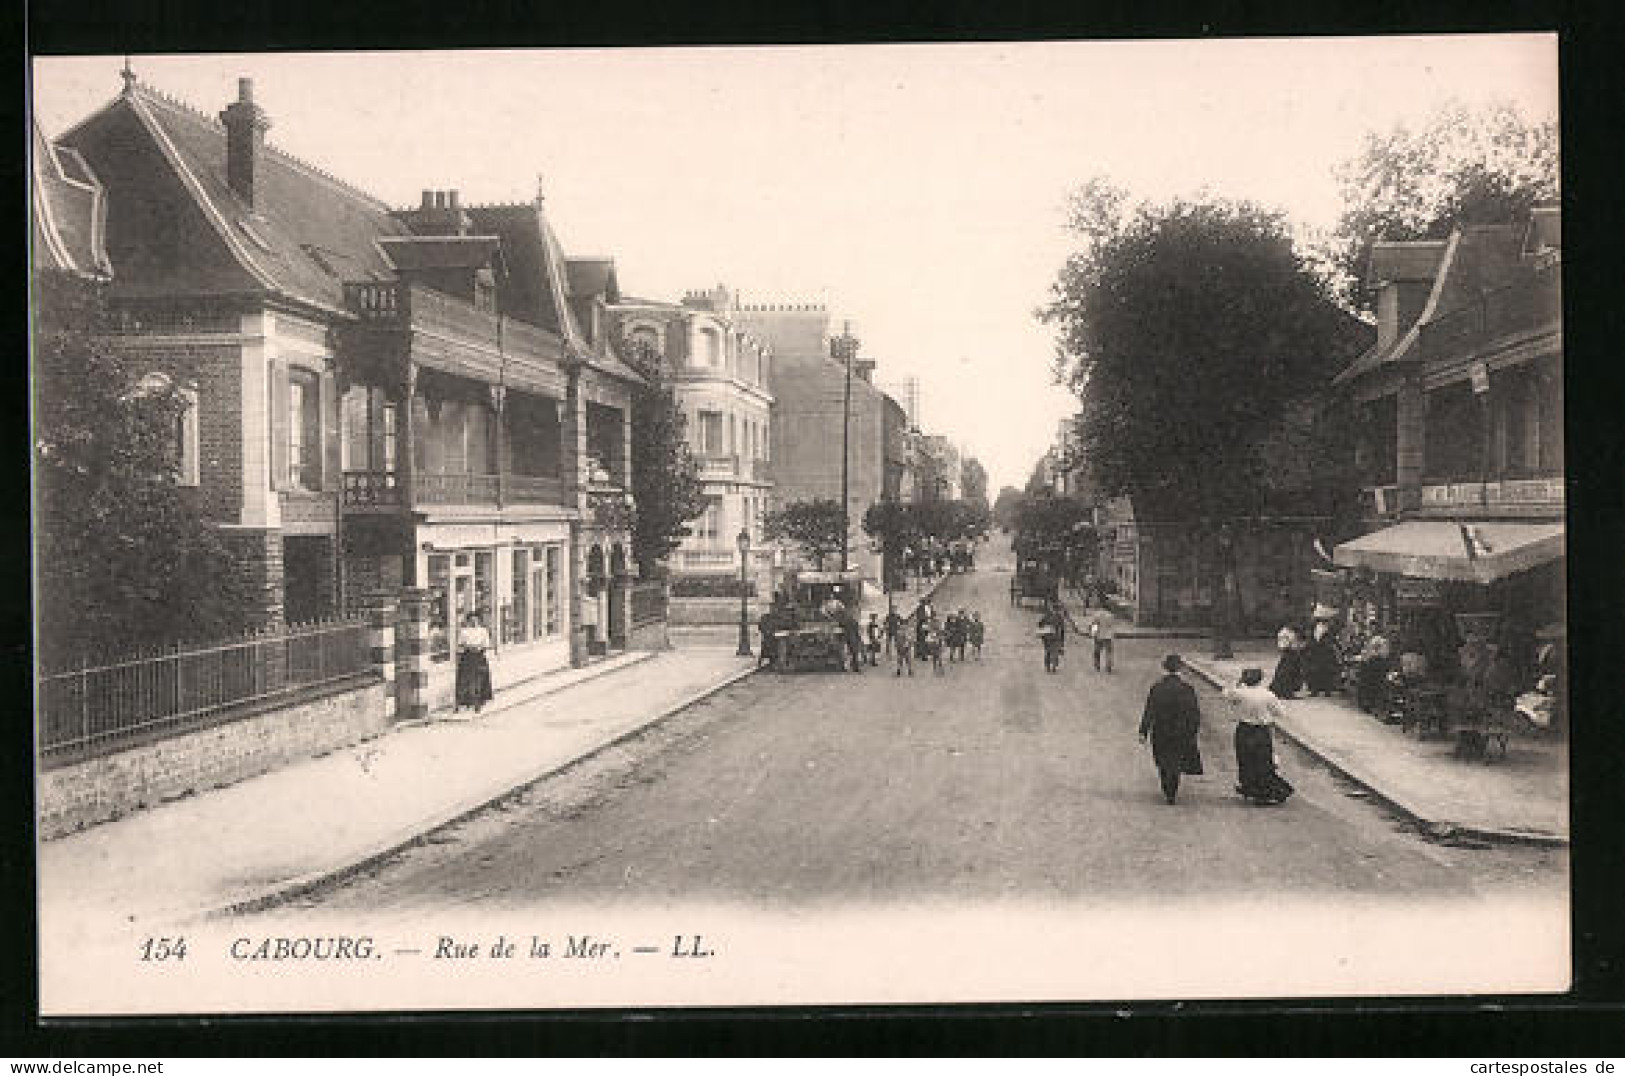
[(1529, 303), (717, 466), (403, 305), (455, 488), (1388, 500), (371, 489), (535, 489)]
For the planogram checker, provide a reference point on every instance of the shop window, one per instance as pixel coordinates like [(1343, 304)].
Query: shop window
[(439, 607), (552, 589), (515, 618)]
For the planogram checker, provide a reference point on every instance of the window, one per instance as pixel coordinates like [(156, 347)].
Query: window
[(552, 589), (709, 352), (645, 337), (707, 527), (186, 440), (515, 620), (304, 430), (710, 428)]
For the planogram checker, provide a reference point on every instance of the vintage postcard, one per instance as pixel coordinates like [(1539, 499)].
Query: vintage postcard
[(829, 525)]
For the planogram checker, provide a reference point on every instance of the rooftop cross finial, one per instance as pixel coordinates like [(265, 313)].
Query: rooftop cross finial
[(128, 75), (541, 190)]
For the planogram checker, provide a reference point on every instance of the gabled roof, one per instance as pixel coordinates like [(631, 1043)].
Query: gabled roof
[(536, 288), (307, 233), (1407, 258), (439, 251), (69, 210)]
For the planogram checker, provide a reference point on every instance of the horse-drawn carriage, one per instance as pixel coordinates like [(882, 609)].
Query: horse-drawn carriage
[(1033, 580), (811, 637)]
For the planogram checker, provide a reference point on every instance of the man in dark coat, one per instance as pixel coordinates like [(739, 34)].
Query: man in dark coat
[(1171, 719)]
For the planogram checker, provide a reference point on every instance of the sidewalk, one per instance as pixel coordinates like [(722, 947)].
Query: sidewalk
[(1523, 797), (286, 830)]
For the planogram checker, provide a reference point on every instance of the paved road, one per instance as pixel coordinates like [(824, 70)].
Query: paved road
[(992, 781)]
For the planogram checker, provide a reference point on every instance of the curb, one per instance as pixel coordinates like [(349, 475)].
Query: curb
[(1435, 827), (416, 831)]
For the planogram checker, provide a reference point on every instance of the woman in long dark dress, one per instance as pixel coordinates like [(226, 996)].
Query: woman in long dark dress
[(1322, 669), (1256, 709), (1288, 678), (473, 670)]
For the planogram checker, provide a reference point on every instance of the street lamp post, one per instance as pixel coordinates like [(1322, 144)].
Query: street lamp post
[(743, 541)]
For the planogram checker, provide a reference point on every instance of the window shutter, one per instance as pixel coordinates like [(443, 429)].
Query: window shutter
[(328, 420), (277, 411)]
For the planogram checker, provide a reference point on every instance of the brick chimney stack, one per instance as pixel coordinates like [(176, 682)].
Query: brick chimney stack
[(246, 124)]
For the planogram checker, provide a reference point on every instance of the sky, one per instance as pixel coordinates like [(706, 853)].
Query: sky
[(917, 190)]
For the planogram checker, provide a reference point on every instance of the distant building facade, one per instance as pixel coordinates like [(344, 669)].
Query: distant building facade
[(720, 375)]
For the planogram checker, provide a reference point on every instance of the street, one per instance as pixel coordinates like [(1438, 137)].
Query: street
[(992, 781)]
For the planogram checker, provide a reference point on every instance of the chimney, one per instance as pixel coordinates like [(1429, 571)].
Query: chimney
[(864, 369), (246, 124)]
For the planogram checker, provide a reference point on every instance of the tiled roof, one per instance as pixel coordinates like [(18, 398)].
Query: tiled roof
[(439, 251), (308, 232), (1487, 257)]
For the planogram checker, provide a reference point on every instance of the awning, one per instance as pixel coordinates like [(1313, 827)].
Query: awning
[(1478, 552)]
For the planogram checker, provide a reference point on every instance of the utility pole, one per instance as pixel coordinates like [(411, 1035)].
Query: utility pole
[(845, 347)]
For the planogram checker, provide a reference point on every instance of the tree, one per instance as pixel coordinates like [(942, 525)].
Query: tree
[(124, 559), (816, 527), (895, 526), (973, 481), (1188, 331), (1194, 334), (1464, 165), (1004, 507), (665, 479)]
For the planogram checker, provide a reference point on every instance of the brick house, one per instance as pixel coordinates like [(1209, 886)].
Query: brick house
[(1461, 412), (383, 398)]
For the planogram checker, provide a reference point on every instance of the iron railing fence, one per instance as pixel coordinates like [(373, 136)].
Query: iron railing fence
[(95, 709)]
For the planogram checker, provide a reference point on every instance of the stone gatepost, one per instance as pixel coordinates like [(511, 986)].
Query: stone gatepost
[(382, 613), (412, 656)]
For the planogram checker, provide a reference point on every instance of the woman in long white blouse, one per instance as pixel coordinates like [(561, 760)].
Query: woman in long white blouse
[(1256, 709)]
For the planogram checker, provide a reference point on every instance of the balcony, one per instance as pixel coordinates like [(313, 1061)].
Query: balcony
[(383, 492), (468, 341), (717, 466)]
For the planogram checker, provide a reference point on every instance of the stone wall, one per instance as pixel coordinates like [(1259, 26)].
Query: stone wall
[(81, 794)]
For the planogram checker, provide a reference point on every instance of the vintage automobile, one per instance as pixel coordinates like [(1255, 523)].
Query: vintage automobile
[(1032, 580), (813, 639)]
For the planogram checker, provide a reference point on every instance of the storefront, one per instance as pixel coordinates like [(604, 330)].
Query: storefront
[(515, 577), (1443, 589)]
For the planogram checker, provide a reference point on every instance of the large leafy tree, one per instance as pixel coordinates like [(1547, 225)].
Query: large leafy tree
[(815, 526), (665, 479), (124, 561), (1466, 165), (1189, 332)]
